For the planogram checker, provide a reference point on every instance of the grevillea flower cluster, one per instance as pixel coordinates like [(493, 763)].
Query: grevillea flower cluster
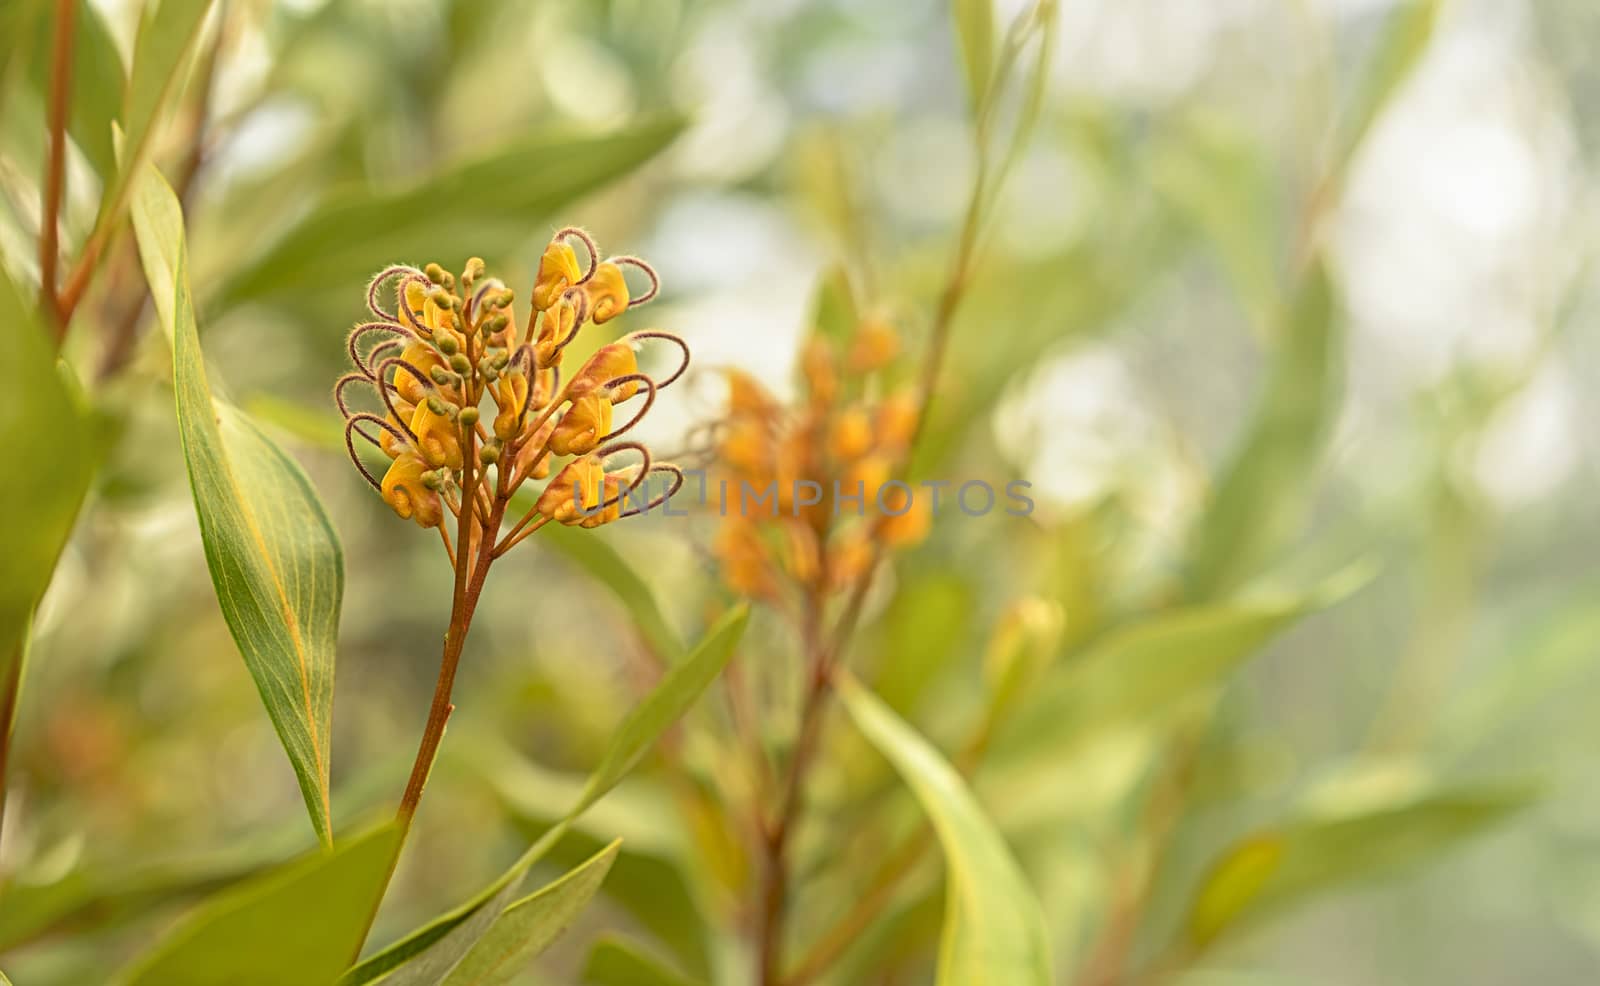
[(828, 464), (472, 407)]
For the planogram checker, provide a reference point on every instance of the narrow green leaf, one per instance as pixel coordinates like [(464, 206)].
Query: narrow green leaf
[(1218, 179), (159, 231), (834, 311), (167, 33), (528, 927), (483, 207), (994, 929), (1042, 29), (427, 955), (1142, 671), (90, 898), (1268, 872), (273, 554), (651, 878), (1558, 655), (1402, 41), (975, 35), (1262, 496), (299, 925), (607, 566), (615, 962), (924, 630), (665, 705), (41, 425)]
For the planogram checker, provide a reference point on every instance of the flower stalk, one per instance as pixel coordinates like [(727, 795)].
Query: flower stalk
[(471, 408)]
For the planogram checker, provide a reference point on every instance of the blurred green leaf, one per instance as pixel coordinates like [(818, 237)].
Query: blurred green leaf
[(98, 82), (1042, 25), (298, 925), (616, 962), (607, 566), (1219, 180), (109, 891), (273, 554), (834, 312), (924, 629), (1267, 873), (975, 34), (41, 425), (529, 926), (665, 705), (1262, 496), (167, 32), (994, 929), (17, 20), (1558, 655), (1144, 670), (485, 206), (87, 898), (425, 956), (1401, 43)]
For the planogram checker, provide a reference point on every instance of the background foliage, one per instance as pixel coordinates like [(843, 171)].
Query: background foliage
[(1285, 313)]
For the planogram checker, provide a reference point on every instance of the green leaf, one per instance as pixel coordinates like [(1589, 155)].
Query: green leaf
[(86, 899), (975, 35), (17, 20), (273, 554), (98, 83), (607, 566), (994, 929), (160, 58), (1557, 656), (484, 207), (1218, 179), (427, 955), (615, 962), (528, 927), (1402, 42), (1262, 496), (1268, 872), (649, 879), (834, 311), (925, 628), (298, 925), (665, 705), (41, 425), (159, 232), (1143, 670)]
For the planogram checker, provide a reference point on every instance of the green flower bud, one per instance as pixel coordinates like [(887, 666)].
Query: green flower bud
[(437, 406), (441, 376), (469, 416), (500, 358), (447, 344), (489, 454), (460, 363), (434, 273)]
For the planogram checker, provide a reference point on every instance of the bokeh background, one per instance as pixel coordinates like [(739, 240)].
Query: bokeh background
[(1126, 318)]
